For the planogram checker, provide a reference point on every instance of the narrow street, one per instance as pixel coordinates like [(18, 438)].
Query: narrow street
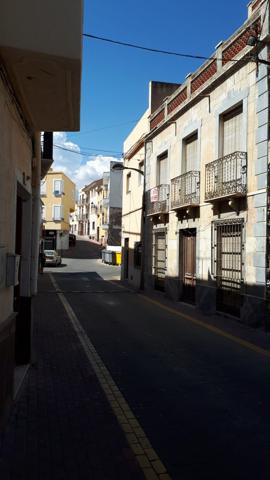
[(106, 356)]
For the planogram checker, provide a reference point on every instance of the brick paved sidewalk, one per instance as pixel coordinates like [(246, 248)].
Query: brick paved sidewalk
[(61, 426)]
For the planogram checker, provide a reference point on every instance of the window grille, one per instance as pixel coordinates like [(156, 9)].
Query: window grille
[(227, 263)]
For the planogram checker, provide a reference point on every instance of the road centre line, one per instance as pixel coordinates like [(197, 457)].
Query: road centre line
[(205, 325), (147, 458)]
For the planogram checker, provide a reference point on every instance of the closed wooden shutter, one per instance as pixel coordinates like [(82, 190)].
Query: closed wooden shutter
[(191, 154), (232, 131), (162, 169)]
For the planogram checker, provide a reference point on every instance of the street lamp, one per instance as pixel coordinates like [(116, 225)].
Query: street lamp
[(120, 167)]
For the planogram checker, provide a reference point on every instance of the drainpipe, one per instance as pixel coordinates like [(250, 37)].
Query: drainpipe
[(36, 172), (143, 225), (144, 228)]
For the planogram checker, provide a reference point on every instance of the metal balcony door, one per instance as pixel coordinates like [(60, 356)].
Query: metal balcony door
[(229, 267), (160, 260), (189, 265)]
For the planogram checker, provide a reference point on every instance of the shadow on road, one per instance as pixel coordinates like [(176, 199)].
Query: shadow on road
[(83, 249)]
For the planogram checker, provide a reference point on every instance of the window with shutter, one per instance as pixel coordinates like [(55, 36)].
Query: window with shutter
[(232, 123), (128, 179), (58, 187), (43, 188), (140, 175), (162, 162), (190, 153), (57, 212), (43, 213)]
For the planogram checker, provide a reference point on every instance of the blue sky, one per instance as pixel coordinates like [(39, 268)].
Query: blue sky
[(115, 78)]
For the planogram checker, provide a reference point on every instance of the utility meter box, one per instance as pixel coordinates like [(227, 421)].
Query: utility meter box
[(3, 268), (12, 271)]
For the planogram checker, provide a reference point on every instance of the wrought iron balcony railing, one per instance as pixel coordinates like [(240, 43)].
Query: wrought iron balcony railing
[(226, 176), (185, 190), (157, 199)]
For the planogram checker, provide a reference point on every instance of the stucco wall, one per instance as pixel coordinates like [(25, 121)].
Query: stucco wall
[(245, 87), (67, 200), (15, 161)]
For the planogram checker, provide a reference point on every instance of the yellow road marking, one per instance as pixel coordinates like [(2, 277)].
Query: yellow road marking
[(211, 328), (207, 326), (147, 458)]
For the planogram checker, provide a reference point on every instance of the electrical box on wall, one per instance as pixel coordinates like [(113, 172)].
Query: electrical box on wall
[(3, 260), (12, 269)]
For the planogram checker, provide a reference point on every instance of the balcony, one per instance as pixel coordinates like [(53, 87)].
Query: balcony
[(226, 177), (157, 200), (185, 190), (46, 152)]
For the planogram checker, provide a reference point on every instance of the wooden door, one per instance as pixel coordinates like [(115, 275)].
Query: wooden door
[(189, 265)]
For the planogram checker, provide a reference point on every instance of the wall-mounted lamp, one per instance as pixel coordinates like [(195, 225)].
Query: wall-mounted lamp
[(252, 41)]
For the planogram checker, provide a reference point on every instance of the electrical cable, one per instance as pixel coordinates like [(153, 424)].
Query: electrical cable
[(155, 50), (84, 153), (104, 128)]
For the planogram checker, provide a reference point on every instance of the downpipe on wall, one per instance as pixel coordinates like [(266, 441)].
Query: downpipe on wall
[(36, 173)]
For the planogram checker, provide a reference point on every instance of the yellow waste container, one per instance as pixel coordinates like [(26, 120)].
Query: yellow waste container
[(118, 258)]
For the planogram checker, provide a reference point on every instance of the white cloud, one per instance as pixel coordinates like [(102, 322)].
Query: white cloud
[(82, 170), (93, 169)]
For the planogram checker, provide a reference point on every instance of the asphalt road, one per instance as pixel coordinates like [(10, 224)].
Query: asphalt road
[(202, 400)]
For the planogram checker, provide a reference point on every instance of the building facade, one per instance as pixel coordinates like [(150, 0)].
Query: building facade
[(207, 181), (58, 196), (133, 202), (92, 191), (33, 98), (100, 208), (82, 212), (112, 205), (73, 220)]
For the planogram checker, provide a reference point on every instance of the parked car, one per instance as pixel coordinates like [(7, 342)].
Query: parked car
[(52, 258), (72, 240)]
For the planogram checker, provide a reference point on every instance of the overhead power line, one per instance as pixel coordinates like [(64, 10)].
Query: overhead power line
[(155, 50), (84, 152), (116, 125)]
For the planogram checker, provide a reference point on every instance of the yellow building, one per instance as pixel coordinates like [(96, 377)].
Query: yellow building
[(58, 197)]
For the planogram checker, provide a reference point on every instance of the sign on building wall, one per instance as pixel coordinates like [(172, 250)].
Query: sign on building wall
[(154, 195)]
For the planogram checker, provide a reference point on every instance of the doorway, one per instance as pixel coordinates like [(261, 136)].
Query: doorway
[(228, 248), (126, 258), (188, 264), (160, 260)]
